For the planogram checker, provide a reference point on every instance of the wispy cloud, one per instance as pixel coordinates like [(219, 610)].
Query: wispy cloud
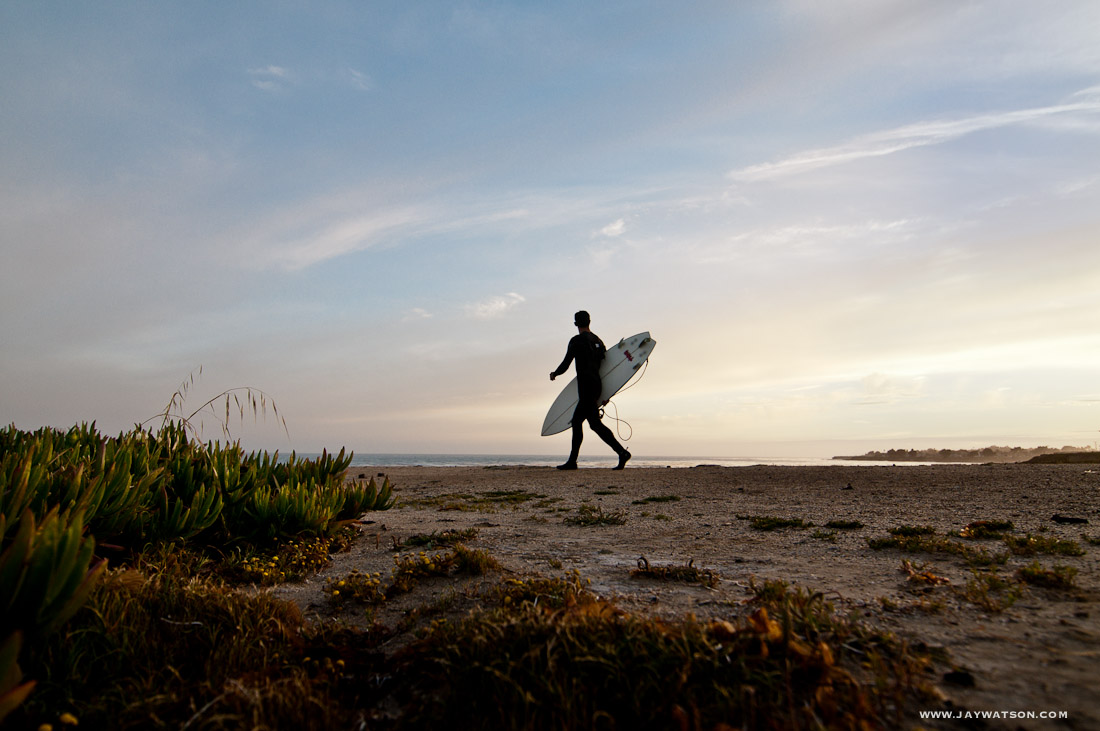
[(318, 242), (417, 313), (920, 134), (879, 388), (360, 80), (808, 240), (494, 307), (269, 78)]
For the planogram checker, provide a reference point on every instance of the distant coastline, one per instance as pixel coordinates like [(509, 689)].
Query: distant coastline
[(1000, 455), (1088, 457)]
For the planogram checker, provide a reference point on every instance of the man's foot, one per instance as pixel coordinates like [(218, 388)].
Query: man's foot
[(624, 457), (568, 466)]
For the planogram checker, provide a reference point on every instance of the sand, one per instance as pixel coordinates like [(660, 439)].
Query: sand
[(1041, 654)]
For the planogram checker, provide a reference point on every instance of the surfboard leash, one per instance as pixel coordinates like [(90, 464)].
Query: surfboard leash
[(618, 422), (633, 382)]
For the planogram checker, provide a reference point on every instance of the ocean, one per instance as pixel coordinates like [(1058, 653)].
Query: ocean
[(542, 460)]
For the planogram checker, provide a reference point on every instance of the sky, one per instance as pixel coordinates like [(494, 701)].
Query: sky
[(848, 226)]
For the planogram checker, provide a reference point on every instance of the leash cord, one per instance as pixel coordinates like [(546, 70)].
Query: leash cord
[(619, 422)]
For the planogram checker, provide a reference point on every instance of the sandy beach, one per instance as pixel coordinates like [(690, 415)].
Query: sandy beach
[(1040, 654)]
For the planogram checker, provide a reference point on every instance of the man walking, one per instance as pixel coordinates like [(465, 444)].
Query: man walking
[(587, 350)]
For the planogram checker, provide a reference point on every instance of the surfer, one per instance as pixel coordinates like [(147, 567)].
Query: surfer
[(587, 350)]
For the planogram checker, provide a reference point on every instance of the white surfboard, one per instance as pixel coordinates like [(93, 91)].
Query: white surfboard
[(619, 365)]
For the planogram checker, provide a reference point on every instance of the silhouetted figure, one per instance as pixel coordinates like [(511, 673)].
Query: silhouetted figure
[(587, 350)]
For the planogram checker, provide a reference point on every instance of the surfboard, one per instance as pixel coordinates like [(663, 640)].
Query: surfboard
[(619, 365)]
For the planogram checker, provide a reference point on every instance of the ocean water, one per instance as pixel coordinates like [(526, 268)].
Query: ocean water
[(542, 460)]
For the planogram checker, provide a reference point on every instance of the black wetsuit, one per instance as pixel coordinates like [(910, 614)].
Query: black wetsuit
[(587, 350)]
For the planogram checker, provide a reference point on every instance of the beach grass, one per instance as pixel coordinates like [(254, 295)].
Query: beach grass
[(1031, 545), (440, 538), (688, 573), (990, 591), (1059, 577), (770, 522), (986, 529), (657, 499), (844, 525), (793, 660), (589, 515), (923, 540)]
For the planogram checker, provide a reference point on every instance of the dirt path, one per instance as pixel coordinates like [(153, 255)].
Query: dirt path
[(1040, 654)]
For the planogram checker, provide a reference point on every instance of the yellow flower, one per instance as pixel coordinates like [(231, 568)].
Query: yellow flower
[(46, 727), (68, 719), (336, 592)]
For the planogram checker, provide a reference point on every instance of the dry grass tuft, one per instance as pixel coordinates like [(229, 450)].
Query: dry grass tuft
[(687, 574)]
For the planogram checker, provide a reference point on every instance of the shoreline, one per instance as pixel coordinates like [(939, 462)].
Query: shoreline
[(1038, 654), (395, 461)]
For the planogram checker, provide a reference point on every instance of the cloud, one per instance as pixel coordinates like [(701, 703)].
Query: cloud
[(269, 78), (615, 228), (494, 307), (417, 313), (1091, 93), (919, 134), (360, 81), (879, 388), (812, 240), (312, 241)]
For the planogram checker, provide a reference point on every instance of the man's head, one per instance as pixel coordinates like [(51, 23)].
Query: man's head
[(581, 319)]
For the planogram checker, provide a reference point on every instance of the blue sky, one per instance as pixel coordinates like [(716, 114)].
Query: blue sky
[(848, 225)]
